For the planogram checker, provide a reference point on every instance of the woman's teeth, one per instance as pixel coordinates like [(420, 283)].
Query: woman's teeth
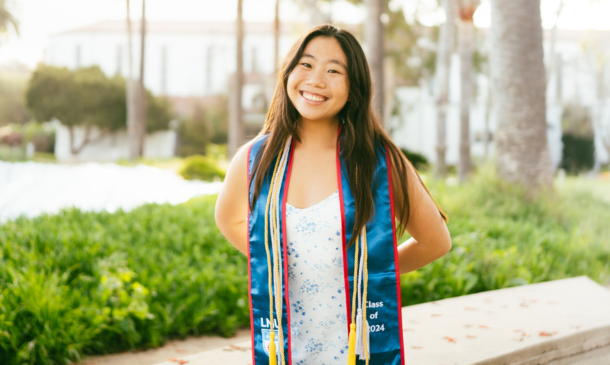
[(313, 97)]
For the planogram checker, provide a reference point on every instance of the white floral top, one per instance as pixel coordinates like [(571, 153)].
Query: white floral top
[(316, 285)]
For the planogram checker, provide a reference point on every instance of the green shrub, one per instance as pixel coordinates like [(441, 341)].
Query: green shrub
[(501, 240), (578, 153), (91, 283), (200, 167), (418, 160), (578, 139)]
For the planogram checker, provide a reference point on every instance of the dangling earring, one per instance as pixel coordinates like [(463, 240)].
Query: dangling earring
[(343, 120)]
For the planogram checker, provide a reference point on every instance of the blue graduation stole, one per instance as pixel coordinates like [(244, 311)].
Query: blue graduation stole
[(383, 310)]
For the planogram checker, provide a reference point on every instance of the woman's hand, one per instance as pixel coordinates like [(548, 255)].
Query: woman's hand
[(430, 237), (232, 205)]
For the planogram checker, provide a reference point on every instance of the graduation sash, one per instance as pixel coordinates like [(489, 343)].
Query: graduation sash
[(382, 305)]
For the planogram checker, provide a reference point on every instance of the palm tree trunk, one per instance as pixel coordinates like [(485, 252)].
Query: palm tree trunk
[(519, 89), (314, 18), (276, 36), (236, 129), (132, 132), (142, 115), (466, 37), (443, 66), (374, 39)]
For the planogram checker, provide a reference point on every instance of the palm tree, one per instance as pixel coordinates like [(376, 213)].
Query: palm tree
[(142, 115), (7, 19), (519, 90), (132, 132), (374, 38), (236, 131), (315, 17), (443, 65), (466, 9), (276, 36)]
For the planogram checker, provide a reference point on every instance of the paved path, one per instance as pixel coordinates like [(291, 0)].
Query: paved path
[(190, 346), (171, 349), (32, 188), (561, 322)]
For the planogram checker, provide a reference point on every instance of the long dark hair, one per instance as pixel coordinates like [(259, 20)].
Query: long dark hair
[(360, 136)]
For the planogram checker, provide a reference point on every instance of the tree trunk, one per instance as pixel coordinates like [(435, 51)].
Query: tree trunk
[(236, 129), (519, 90), (374, 38), (142, 115), (315, 17), (466, 37), (551, 56), (132, 120), (443, 67), (276, 37)]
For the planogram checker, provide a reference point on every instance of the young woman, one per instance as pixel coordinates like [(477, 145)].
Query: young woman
[(313, 201)]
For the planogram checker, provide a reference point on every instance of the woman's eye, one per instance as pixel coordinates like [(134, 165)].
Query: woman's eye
[(306, 64), (333, 71)]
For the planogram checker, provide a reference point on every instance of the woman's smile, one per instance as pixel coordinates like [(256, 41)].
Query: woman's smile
[(313, 98)]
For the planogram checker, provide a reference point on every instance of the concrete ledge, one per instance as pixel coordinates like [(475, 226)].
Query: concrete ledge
[(557, 323)]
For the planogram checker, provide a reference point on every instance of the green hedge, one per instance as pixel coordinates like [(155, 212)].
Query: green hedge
[(83, 283), (201, 168), (500, 239), (91, 283)]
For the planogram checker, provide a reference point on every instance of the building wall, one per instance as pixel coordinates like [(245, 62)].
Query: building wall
[(110, 147), (178, 64)]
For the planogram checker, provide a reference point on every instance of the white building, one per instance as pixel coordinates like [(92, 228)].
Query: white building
[(189, 61)]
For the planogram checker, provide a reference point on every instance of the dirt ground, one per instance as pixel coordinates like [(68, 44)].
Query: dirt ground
[(171, 349)]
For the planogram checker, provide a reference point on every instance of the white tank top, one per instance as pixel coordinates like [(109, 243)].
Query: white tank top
[(318, 318)]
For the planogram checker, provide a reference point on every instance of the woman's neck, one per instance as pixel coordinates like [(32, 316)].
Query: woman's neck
[(318, 133)]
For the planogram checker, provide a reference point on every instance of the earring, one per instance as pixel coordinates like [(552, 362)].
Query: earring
[(343, 120)]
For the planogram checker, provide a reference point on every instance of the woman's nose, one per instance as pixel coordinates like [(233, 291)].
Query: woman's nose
[(316, 78)]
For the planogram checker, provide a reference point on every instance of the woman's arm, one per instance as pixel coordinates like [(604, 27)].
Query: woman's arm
[(430, 237), (232, 204)]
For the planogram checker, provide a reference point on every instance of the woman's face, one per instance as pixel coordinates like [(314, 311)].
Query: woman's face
[(318, 85)]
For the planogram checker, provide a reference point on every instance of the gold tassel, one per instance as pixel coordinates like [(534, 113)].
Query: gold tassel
[(272, 353), (351, 352)]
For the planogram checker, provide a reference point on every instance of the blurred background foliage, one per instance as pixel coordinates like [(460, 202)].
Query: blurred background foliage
[(86, 96)]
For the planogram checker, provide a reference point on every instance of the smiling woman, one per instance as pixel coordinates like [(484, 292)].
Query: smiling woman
[(313, 201)]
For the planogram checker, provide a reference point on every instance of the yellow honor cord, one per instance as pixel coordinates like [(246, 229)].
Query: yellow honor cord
[(366, 279), (276, 184), (351, 352), (272, 351), (272, 359), (273, 203)]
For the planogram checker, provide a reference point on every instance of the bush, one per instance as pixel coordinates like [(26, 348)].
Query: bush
[(578, 139), (92, 283), (201, 168), (418, 160), (578, 153), (501, 240)]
